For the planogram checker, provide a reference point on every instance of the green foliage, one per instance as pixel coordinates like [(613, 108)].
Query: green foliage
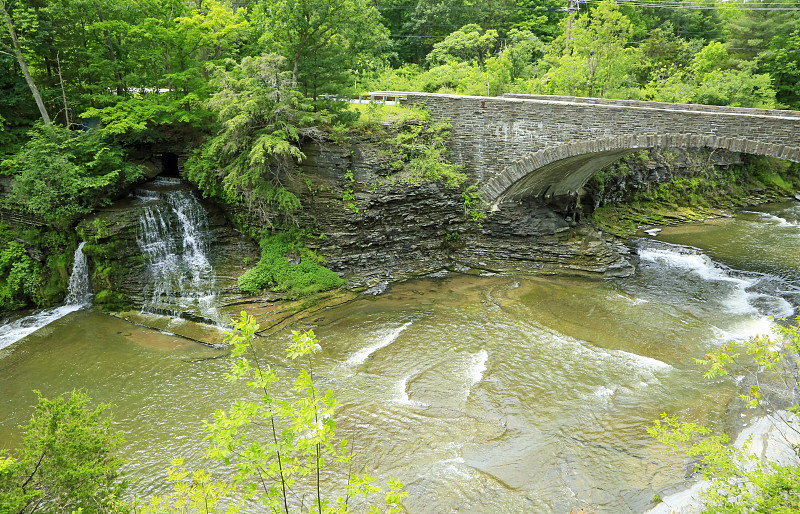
[(473, 204), (711, 79), (348, 196), (323, 40), (598, 60), (34, 266), (20, 276), (692, 197), (775, 175), (470, 43), (418, 152), (60, 174), (740, 481), (282, 449), (263, 121), (275, 270), (67, 461)]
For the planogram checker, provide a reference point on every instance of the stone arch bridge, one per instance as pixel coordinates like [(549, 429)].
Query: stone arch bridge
[(520, 146)]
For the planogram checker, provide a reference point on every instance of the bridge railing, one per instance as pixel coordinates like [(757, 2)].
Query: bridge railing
[(655, 105)]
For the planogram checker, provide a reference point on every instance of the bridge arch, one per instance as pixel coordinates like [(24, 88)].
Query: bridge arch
[(564, 168)]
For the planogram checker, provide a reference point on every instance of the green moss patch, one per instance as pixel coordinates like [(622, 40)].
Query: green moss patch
[(276, 270)]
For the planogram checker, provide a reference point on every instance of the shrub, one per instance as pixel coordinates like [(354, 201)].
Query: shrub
[(274, 270)]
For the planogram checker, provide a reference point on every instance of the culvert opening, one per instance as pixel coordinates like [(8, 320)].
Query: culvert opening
[(169, 165)]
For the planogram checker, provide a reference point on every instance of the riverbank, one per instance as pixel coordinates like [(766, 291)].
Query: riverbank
[(667, 187)]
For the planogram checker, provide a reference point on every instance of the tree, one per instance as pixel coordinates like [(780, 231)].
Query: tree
[(67, 462), (784, 68), (711, 79), (262, 120), (470, 43), (280, 448), (741, 482), (540, 17), (61, 174), (15, 50), (598, 62), (301, 30)]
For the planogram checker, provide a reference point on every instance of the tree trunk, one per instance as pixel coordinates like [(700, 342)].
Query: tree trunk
[(21, 60), (294, 69), (112, 56)]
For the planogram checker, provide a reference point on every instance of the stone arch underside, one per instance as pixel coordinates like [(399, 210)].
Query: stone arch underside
[(565, 168)]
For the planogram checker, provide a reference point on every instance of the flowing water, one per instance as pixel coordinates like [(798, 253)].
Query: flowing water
[(79, 295), (173, 236), (482, 394)]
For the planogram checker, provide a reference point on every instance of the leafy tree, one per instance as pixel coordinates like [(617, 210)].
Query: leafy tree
[(170, 61), (60, 174), (67, 462), (343, 34), (784, 68), (691, 23), (522, 50), (540, 17), (425, 22), (20, 276), (598, 62), (710, 79), (280, 448), (663, 54), (742, 482), (470, 43), (263, 119), (14, 48), (752, 31)]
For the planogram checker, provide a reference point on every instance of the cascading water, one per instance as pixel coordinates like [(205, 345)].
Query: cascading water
[(174, 237), (79, 289), (78, 296)]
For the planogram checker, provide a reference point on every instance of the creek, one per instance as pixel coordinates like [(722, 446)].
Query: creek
[(481, 393)]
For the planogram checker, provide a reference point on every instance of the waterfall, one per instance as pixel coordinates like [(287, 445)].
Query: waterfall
[(78, 296), (173, 236), (79, 289)]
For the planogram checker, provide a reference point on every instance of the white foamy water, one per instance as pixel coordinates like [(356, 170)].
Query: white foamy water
[(478, 366), (402, 393), (361, 356), (78, 297), (174, 235), (698, 263), (612, 358), (744, 330), (631, 300), (736, 301), (604, 392), (16, 330), (775, 220), (638, 361)]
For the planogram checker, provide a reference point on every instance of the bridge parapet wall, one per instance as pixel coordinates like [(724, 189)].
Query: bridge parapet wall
[(492, 134), (655, 105)]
